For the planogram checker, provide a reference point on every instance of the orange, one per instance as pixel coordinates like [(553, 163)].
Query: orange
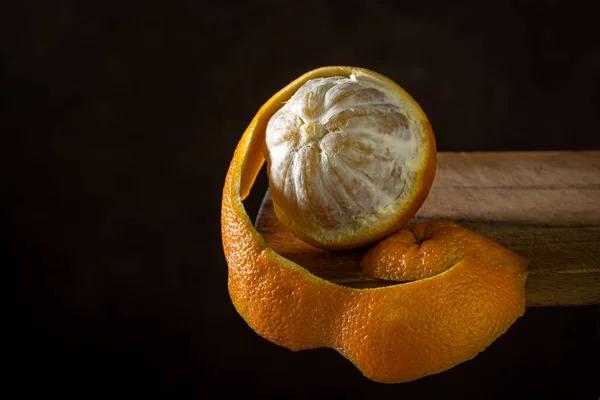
[(350, 158), (396, 333)]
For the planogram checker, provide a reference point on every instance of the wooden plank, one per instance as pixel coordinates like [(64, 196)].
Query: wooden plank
[(544, 206)]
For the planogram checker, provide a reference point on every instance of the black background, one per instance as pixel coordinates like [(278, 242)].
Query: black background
[(118, 125)]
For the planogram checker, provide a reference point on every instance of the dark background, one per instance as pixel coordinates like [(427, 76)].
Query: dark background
[(119, 122)]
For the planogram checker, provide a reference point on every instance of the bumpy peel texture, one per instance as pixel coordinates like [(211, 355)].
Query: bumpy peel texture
[(392, 334)]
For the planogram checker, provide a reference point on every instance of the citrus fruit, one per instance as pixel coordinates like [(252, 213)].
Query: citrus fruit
[(350, 159), (395, 333)]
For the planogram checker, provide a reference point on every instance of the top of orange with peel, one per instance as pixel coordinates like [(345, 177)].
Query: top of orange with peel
[(471, 289), (350, 159)]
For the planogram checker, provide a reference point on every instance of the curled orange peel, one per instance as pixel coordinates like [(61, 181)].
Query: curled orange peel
[(396, 333)]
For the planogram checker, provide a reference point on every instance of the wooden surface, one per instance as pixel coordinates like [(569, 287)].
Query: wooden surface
[(544, 206)]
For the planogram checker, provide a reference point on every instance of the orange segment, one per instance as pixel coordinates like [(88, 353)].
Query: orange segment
[(392, 334)]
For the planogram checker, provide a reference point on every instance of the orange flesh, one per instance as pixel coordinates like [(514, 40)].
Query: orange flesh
[(349, 160)]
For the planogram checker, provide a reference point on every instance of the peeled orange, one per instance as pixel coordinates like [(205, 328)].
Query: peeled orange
[(350, 159), (471, 290)]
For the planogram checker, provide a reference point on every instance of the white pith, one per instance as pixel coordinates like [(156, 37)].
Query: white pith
[(344, 153)]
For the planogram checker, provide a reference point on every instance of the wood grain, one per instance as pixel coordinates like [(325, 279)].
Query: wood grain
[(544, 206)]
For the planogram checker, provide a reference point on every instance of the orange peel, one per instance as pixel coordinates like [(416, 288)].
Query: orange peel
[(392, 334)]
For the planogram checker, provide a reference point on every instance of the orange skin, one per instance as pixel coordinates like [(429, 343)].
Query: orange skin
[(396, 333), (408, 256)]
